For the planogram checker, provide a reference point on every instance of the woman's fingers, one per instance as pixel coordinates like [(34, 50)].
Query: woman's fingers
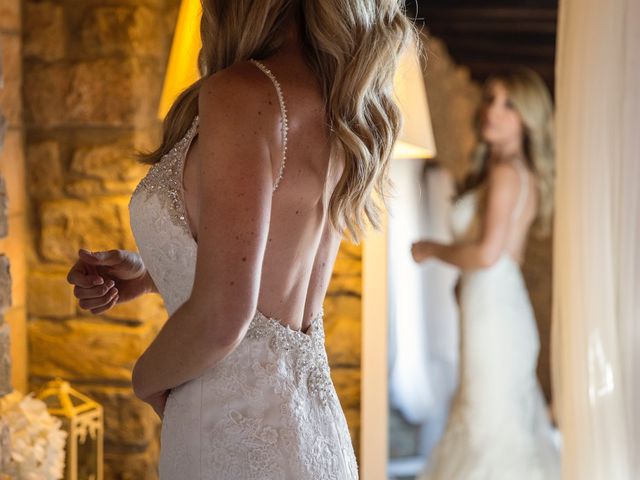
[(93, 292), (80, 276), (112, 303), (95, 303)]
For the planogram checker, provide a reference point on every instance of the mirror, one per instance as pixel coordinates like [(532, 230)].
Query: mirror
[(428, 339)]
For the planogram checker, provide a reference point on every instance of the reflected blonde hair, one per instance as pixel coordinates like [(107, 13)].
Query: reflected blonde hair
[(353, 47), (532, 100)]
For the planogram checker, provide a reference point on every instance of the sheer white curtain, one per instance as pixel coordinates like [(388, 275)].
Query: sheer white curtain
[(410, 385), (438, 303), (596, 311), (423, 314)]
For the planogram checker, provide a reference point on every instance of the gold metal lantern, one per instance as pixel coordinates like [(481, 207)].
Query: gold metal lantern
[(83, 420)]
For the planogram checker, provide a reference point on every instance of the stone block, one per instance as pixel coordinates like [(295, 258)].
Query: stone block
[(102, 92), (113, 91), (69, 224), (12, 168), (11, 92), (5, 359), (15, 246), (50, 295), (10, 15), (3, 120), (346, 277), (86, 349), (16, 319), (343, 330), (5, 283), (6, 467), (347, 383), (4, 208), (46, 88), (44, 170), (121, 29), (350, 250), (128, 421), (345, 284), (44, 31), (92, 187), (132, 465), (112, 163)]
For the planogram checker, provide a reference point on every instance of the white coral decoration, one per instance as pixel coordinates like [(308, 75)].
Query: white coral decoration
[(36, 438)]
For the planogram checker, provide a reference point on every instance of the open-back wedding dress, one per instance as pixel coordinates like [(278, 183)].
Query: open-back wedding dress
[(498, 427), (267, 411)]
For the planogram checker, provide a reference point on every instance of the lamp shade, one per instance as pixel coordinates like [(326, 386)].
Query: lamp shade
[(416, 137)]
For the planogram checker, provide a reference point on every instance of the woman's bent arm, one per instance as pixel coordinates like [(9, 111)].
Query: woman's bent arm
[(496, 224), (236, 182)]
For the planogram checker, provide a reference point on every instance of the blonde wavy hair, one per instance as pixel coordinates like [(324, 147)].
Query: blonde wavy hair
[(532, 100), (353, 47)]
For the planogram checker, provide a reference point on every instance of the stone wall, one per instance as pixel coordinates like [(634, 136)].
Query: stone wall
[(12, 215), (93, 73), (343, 308)]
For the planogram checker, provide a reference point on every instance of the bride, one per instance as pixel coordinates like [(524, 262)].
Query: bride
[(498, 427), (264, 162)]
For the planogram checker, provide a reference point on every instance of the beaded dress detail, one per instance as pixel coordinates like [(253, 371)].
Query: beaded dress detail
[(267, 411)]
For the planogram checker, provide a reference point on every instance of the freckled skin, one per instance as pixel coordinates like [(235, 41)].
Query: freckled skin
[(306, 167)]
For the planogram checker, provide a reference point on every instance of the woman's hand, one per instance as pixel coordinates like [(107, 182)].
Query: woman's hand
[(422, 250), (104, 279)]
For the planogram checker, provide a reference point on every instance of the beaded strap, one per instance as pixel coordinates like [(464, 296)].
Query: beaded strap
[(285, 122), (522, 194)]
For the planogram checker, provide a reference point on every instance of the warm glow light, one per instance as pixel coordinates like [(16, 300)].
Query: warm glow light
[(403, 150), (416, 137), (182, 69)]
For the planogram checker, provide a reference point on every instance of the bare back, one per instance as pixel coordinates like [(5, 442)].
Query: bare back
[(527, 209), (301, 247)]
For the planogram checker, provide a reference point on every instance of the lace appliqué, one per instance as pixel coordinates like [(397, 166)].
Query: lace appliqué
[(305, 349)]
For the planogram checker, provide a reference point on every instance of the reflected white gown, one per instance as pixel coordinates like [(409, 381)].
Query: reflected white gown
[(267, 411), (498, 427)]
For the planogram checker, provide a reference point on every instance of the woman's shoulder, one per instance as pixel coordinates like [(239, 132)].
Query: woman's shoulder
[(242, 78), (242, 93), (505, 170)]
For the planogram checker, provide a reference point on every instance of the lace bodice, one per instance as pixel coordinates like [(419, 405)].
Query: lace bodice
[(269, 410)]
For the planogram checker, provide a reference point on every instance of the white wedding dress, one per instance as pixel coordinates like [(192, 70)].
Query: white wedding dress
[(498, 427), (267, 411)]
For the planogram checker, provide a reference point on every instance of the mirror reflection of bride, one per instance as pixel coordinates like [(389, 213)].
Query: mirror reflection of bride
[(498, 427)]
